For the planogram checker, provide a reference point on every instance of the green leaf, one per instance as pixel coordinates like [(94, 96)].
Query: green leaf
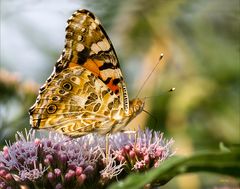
[(224, 163)]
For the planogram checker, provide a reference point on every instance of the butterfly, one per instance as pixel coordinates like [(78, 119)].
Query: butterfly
[(86, 91)]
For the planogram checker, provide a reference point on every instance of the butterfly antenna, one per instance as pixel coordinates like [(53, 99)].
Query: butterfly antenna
[(172, 89), (160, 58)]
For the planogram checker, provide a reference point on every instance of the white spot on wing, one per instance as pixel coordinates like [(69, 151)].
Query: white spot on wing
[(79, 47), (79, 38), (97, 21), (104, 44), (71, 17), (93, 26), (100, 46), (83, 19), (95, 48), (109, 73), (80, 100)]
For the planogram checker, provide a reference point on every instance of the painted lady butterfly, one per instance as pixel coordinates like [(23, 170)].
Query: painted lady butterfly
[(86, 92)]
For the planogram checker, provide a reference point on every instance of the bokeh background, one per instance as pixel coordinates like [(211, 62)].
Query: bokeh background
[(199, 40)]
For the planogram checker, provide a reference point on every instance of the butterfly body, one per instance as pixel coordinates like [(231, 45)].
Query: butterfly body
[(86, 92)]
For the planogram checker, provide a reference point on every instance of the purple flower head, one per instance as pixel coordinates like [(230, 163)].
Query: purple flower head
[(57, 161), (141, 150)]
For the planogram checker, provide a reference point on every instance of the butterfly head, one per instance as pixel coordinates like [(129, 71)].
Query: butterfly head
[(135, 107)]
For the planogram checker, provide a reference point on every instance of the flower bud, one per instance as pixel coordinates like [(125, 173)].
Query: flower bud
[(59, 186), (88, 170), (62, 157), (81, 178), (57, 172), (132, 154), (51, 177), (79, 171)]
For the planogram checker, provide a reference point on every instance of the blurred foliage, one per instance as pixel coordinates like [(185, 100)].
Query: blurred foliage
[(15, 97), (219, 162), (200, 42)]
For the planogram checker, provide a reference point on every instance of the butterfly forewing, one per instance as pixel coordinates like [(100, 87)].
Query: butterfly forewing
[(88, 45)]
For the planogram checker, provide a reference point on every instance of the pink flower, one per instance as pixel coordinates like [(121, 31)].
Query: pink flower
[(57, 161)]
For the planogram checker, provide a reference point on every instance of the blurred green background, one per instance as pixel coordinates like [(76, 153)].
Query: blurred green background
[(200, 43)]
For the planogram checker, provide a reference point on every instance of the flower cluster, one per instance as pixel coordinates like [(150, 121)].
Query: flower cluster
[(148, 149), (57, 161)]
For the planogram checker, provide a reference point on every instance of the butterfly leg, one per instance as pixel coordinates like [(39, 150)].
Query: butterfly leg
[(135, 133)]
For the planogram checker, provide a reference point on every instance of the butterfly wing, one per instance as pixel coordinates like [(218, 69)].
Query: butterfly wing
[(75, 103), (86, 91), (88, 45)]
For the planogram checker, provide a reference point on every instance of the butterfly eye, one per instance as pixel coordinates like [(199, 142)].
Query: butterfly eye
[(67, 86), (52, 108)]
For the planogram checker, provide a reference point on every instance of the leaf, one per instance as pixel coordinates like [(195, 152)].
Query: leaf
[(224, 163)]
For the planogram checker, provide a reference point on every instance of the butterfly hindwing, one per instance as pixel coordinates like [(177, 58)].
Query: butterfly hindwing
[(76, 102)]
